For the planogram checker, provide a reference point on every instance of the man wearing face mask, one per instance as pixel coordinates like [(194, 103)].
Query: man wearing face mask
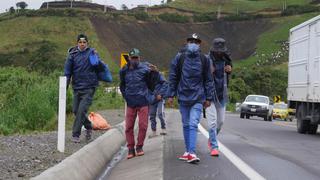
[(135, 80), (191, 81), (222, 67), (84, 78)]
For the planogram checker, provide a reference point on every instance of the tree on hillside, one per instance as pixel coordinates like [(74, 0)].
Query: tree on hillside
[(124, 7), (21, 5), (11, 10)]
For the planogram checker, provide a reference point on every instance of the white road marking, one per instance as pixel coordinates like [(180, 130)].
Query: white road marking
[(241, 165)]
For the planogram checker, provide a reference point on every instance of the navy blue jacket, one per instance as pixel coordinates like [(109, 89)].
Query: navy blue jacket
[(191, 87), (220, 77), (79, 71), (135, 85)]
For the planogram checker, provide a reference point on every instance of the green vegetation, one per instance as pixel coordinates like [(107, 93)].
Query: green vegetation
[(29, 100), (173, 17), (35, 59), (266, 72), (233, 6)]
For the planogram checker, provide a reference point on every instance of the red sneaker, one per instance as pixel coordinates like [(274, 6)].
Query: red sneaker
[(192, 158), (214, 152), (184, 157)]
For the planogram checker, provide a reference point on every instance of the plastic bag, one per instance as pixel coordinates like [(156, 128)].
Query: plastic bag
[(98, 122)]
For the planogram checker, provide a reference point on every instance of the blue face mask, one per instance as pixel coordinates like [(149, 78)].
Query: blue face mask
[(192, 47)]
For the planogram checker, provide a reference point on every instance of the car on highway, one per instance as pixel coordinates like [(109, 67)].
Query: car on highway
[(256, 105), (280, 111)]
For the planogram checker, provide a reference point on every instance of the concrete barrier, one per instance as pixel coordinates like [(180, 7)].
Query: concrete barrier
[(89, 161)]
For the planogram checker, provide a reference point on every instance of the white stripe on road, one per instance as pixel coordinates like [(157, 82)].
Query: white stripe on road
[(241, 165)]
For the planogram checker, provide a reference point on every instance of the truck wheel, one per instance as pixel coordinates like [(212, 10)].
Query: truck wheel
[(270, 118), (265, 118), (313, 128), (241, 115), (302, 123), (247, 117)]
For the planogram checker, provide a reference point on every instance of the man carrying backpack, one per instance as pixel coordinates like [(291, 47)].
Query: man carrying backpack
[(135, 85), (191, 81), (222, 67), (84, 77)]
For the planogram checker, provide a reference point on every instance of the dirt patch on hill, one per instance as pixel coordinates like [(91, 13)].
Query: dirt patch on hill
[(159, 42)]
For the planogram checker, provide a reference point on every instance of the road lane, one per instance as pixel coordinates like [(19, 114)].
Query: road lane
[(275, 151)]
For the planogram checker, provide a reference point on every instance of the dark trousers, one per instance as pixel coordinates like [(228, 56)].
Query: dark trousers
[(82, 99)]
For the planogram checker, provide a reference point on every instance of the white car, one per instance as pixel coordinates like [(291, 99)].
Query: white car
[(256, 105)]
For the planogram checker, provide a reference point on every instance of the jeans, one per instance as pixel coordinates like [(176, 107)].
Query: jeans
[(190, 119), (159, 106), (215, 117), (82, 99), (131, 116)]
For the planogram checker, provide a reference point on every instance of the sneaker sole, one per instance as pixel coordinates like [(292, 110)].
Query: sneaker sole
[(215, 155), (193, 161), (183, 159)]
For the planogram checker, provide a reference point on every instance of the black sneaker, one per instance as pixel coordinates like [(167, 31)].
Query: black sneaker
[(88, 133), (131, 153), (139, 151)]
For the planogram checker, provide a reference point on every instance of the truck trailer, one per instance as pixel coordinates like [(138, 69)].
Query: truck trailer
[(304, 75)]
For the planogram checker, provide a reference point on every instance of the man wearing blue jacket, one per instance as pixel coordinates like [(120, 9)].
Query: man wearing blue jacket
[(136, 87), (222, 66), (84, 78), (158, 106), (191, 81)]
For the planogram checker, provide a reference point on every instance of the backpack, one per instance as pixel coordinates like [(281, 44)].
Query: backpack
[(203, 63)]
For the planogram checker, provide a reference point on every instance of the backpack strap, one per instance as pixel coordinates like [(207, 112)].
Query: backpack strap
[(203, 59)]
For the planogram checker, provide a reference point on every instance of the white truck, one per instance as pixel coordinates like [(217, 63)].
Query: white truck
[(304, 74)]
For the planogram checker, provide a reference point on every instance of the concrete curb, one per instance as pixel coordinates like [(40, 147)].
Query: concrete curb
[(89, 161)]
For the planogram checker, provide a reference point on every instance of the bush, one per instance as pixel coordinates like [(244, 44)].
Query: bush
[(142, 16), (299, 9), (29, 100), (173, 17), (205, 17), (241, 17)]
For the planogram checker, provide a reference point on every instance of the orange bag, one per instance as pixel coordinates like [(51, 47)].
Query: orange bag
[(98, 122)]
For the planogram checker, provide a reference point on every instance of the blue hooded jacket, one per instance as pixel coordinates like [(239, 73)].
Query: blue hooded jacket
[(191, 87), (135, 85), (79, 69)]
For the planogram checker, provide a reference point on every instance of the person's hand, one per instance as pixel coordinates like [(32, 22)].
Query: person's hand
[(158, 97), (206, 104), (170, 101), (227, 69), (153, 67)]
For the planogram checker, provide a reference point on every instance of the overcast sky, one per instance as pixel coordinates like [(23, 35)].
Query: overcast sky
[(35, 4)]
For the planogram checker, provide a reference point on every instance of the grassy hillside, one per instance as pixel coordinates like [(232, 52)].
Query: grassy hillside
[(232, 6), (43, 42)]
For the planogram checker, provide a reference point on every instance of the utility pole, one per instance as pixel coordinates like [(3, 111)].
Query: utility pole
[(219, 12), (47, 5)]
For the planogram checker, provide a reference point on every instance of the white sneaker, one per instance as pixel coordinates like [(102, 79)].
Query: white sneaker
[(163, 132), (192, 158), (153, 134)]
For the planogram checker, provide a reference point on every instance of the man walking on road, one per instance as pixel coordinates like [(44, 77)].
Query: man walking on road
[(191, 81), (135, 84), (158, 107), (222, 67), (84, 77)]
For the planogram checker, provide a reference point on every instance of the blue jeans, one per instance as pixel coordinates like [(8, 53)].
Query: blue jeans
[(153, 109), (190, 119), (215, 116)]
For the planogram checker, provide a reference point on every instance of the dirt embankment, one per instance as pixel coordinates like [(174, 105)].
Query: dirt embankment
[(159, 42)]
